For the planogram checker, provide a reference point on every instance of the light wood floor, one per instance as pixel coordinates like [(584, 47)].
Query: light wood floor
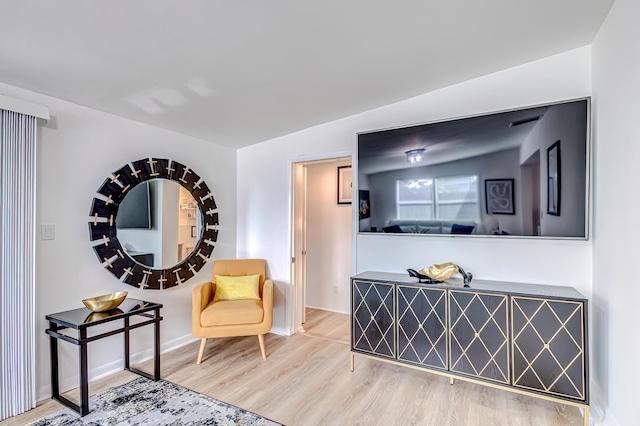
[(327, 325), (306, 381)]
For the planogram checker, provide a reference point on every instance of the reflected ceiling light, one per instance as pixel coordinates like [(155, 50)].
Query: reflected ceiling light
[(415, 155)]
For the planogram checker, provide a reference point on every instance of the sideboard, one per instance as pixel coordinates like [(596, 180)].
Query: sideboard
[(525, 338)]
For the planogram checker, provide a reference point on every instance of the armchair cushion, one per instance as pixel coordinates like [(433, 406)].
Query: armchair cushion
[(233, 288), (232, 312)]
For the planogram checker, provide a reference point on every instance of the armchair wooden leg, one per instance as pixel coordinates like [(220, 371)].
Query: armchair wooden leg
[(261, 340), (202, 343)]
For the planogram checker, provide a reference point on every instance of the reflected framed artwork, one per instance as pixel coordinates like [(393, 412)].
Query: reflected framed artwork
[(499, 195), (364, 205), (344, 185), (553, 179)]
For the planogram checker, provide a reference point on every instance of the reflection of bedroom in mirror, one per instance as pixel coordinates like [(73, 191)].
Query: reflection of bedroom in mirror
[(154, 223), (491, 175)]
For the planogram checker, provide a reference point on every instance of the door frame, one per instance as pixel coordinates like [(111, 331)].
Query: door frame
[(295, 303)]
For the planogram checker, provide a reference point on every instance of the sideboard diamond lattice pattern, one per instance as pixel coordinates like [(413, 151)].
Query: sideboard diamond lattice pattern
[(548, 346), (422, 331), (373, 318), (479, 335), (520, 337)]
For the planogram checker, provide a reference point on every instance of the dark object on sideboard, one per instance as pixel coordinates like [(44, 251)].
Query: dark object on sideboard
[(466, 276), (422, 278)]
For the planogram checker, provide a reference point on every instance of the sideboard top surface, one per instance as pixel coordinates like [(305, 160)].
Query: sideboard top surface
[(480, 285)]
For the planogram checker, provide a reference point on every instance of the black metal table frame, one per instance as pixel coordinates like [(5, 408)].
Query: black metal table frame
[(56, 325)]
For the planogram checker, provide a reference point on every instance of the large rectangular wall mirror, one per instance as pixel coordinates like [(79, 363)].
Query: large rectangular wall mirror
[(486, 175)]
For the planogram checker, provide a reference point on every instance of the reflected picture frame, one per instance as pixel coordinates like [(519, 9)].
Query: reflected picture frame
[(364, 204), (345, 185), (553, 179), (499, 196)]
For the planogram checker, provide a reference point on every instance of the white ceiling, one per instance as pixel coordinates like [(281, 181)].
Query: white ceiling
[(241, 72)]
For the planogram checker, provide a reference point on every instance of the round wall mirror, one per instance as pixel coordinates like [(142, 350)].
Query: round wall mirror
[(156, 223)]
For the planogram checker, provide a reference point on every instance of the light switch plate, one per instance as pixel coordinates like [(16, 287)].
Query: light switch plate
[(47, 232)]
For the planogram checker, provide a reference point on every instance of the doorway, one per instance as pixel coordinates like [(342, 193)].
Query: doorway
[(530, 173), (322, 232)]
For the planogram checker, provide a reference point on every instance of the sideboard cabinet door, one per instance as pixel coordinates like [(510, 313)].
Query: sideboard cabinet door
[(422, 330), (549, 346), (373, 313), (479, 342)]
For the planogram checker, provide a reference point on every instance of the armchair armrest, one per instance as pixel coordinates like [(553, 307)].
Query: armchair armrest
[(267, 302), (200, 298)]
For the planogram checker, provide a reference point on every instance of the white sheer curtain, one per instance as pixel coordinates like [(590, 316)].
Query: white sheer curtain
[(17, 262)]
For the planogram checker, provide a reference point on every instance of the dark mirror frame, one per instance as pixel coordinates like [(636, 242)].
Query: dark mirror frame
[(103, 227)]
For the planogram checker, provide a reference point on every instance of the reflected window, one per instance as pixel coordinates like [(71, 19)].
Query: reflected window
[(445, 198), (415, 199)]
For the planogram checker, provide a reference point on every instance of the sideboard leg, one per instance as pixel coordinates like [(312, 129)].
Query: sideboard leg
[(586, 415), (450, 380), (352, 361)]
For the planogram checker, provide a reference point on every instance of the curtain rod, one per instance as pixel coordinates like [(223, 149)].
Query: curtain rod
[(23, 107)]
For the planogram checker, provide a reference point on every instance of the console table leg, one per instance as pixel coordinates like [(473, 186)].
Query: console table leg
[(451, 380), (127, 361), (84, 377), (156, 364), (53, 351), (352, 361)]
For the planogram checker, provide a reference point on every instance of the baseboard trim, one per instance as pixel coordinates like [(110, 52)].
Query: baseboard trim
[(600, 415), (328, 310), (281, 331), (596, 412), (610, 419), (67, 383)]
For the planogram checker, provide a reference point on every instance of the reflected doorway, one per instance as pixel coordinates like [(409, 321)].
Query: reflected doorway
[(530, 173)]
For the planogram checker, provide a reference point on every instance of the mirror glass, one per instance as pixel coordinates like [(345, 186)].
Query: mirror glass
[(158, 223)]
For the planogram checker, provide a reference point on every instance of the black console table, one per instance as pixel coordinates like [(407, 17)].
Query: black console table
[(82, 319), (525, 338)]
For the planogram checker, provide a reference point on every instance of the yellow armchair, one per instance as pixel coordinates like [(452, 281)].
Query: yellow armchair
[(226, 318)]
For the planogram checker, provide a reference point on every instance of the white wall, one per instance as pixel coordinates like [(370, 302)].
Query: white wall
[(616, 243), (77, 150), (264, 185), (328, 259)]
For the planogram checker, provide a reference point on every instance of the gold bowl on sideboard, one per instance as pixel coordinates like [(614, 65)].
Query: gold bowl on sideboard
[(440, 272), (105, 302)]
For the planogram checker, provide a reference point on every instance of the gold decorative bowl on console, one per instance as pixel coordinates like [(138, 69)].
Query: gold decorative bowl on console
[(440, 272), (105, 302)]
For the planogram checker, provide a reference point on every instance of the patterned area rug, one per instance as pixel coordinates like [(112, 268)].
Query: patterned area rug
[(145, 402)]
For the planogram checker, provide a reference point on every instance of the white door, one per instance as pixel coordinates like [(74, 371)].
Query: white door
[(298, 259)]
